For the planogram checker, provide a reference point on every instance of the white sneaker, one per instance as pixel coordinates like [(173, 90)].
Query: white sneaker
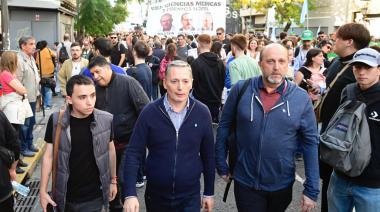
[(140, 184)]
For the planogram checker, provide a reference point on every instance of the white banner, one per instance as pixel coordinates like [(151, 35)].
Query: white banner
[(173, 17)]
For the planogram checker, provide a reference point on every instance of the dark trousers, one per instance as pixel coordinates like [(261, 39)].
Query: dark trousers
[(325, 174), (116, 205), (154, 91), (95, 205), (248, 199), (214, 110), (154, 203), (7, 205)]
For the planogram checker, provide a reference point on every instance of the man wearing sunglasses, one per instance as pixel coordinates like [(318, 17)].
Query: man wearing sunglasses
[(326, 47), (118, 51), (221, 37)]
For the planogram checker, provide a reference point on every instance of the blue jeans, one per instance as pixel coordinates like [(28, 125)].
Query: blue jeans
[(47, 95), (154, 203), (343, 196), (26, 132)]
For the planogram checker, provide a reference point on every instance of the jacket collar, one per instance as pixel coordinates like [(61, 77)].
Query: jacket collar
[(66, 117), (160, 104)]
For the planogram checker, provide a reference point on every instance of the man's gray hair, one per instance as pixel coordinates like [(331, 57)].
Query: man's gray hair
[(24, 40), (178, 64)]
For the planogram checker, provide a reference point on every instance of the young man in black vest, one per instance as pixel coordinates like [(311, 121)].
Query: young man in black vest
[(85, 179)]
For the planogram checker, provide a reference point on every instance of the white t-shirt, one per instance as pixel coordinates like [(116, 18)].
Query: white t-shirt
[(76, 69)]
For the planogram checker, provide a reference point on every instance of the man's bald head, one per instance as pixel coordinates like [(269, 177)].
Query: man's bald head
[(274, 64), (276, 46)]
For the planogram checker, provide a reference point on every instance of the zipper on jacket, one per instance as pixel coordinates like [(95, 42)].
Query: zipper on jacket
[(265, 115), (176, 143), (175, 161)]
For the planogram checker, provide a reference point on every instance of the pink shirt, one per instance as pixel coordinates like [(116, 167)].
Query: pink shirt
[(5, 78)]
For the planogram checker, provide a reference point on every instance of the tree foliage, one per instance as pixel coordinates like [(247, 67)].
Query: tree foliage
[(287, 11), (97, 17)]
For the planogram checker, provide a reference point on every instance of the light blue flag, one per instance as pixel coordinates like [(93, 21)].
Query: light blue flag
[(304, 12)]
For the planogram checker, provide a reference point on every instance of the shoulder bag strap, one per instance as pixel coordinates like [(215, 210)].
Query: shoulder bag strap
[(319, 103), (337, 77), (241, 92), (55, 149), (233, 128), (39, 63)]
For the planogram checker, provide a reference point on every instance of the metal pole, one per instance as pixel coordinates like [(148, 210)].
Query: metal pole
[(5, 24)]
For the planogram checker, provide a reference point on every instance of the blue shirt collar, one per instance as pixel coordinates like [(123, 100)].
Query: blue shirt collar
[(169, 107)]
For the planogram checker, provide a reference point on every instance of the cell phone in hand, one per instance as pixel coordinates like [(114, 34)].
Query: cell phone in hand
[(305, 81)]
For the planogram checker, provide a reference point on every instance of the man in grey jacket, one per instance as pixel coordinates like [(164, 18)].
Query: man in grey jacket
[(27, 74)]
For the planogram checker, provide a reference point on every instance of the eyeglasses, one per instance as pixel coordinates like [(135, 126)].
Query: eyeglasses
[(218, 33), (113, 37)]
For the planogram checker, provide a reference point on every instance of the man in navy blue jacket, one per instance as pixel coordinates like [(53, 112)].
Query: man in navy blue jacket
[(177, 131), (273, 117)]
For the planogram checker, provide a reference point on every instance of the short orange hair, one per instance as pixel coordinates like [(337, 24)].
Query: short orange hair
[(204, 38)]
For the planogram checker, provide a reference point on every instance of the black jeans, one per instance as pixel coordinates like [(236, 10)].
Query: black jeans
[(190, 203), (7, 205), (248, 199)]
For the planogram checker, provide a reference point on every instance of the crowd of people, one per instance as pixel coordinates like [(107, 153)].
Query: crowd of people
[(142, 107)]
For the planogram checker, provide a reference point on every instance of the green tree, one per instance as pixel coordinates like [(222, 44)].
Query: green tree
[(97, 17), (287, 11)]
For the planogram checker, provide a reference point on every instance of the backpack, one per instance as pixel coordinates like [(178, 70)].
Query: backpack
[(346, 143), (63, 55)]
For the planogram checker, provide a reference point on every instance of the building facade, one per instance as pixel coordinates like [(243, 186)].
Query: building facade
[(328, 15), (43, 19)]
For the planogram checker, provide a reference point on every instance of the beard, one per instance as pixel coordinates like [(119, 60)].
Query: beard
[(274, 80)]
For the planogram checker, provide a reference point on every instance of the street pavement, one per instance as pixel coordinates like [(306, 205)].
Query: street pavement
[(220, 206)]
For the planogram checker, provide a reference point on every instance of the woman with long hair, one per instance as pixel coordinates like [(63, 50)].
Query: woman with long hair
[(217, 48), (170, 55), (253, 49), (12, 94), (311, 70), (45, 61)]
